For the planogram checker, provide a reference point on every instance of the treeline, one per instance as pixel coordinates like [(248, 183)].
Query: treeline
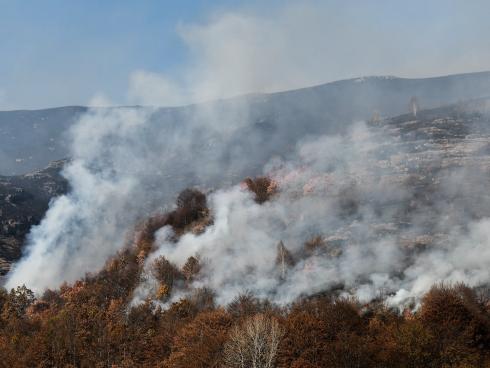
[(87, 325), (92, 324)]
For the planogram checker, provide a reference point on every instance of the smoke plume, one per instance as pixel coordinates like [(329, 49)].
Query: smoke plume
[(345, 210), (337, 192)]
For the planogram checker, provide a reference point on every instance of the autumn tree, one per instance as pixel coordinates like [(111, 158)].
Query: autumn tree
[(167, 274), (200, 343), (246, 304), (18, 300), (324, 333), (191, 206), (263, 187), (460, 324), (313, 244), (304, 340), (192, 199), (191, 268), (415, 344)]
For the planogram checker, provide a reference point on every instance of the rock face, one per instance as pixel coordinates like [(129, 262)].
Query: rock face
[(23, 201)]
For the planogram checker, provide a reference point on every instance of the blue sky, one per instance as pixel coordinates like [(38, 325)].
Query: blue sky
[(55, 52), (72, 49)]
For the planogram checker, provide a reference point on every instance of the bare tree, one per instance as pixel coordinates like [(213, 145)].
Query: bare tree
[(284, 259), (254, 343)]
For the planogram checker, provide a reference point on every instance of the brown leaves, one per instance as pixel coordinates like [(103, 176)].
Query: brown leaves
[(167, 274), (191, 268), (200, 343), (263, 188), (92, 323), (84, 325)]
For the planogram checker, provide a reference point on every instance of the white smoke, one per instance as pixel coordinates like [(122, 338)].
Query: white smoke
[(130, 162), (83, 227), (363, 253), (464, 258)]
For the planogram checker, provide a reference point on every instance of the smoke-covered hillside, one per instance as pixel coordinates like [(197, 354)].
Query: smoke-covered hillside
[(29, 140), (245, 184), (388, 209), (412, 182), (363, 249)]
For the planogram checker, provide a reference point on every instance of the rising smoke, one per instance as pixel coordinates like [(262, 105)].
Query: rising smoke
[(348, 189), (342, 190)]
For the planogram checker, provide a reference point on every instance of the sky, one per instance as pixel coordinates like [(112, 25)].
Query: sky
[(119, 52)]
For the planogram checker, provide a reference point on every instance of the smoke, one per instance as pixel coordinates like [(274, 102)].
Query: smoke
[(359, 192), (240, 248), (371, 244), (3, 98), (305, 43), (377, 237), (128, 163), (83, 227), (263, 46), (154, 89)]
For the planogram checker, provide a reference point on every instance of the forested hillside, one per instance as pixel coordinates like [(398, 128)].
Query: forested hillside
[(95, 323)]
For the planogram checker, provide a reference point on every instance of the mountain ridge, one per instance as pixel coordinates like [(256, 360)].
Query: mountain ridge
[(325, 108)]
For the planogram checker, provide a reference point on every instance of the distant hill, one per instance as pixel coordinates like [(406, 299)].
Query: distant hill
[(30, 139)]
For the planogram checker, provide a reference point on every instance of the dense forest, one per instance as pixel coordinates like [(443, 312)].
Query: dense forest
[(94, 322)]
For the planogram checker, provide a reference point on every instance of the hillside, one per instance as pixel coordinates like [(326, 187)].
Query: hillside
[(145, 308), (245, 184), (422, 158), (24, 200), (335, 259), (439, 160), (29, 140)]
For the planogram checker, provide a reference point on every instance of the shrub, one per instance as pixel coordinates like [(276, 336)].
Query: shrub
[(263, 188)]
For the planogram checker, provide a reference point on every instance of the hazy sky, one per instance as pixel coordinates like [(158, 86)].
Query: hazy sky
[(58, 52)]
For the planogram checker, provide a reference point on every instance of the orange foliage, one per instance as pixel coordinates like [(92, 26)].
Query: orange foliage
[(90, 325), (200, 343)]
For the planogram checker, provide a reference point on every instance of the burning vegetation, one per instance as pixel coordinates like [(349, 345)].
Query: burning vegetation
[(263, 187), (328, 262), (94, 322)]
